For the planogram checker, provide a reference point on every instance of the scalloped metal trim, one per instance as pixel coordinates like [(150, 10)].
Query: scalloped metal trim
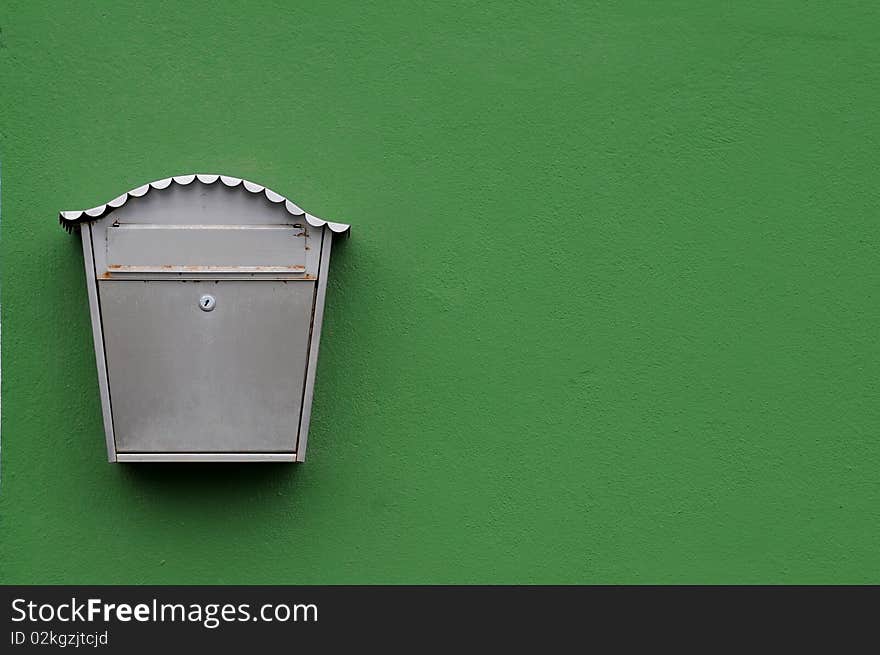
[(70, 219)]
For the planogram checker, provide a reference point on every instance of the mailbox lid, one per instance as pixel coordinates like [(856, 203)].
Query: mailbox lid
[(156, 248), (182, 379), (205, 230)]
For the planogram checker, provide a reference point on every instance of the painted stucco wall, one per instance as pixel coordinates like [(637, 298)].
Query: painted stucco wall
[(609, 312)]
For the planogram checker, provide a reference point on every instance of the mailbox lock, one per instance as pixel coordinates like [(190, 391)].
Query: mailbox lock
[(207, 303)]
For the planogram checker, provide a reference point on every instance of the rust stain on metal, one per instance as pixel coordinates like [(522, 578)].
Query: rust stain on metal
[(206, 269), (108, 275)]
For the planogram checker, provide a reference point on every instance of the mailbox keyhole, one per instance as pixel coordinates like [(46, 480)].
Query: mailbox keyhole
[(207, 303)]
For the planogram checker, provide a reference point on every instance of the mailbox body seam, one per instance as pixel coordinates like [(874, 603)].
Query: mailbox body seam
[(98, 339), (314, 344)]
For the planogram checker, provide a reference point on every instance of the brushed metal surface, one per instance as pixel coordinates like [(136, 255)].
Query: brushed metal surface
[(203, 231), (185, 380), (157, 248), (98, 340)]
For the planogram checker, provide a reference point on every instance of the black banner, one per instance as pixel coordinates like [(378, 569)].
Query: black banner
[(269, 619)]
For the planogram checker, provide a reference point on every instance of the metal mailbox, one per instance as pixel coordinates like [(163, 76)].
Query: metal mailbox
[(206, 295)]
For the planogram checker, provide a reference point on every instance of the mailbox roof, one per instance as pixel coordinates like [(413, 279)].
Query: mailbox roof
[(70, 219)]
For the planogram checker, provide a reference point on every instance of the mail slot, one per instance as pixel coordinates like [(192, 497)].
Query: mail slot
[(206, 295), (150, 248)]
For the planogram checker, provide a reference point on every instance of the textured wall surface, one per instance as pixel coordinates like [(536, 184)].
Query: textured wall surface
[(609, 312)]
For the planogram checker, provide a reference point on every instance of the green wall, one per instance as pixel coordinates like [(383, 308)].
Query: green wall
[(609, 312)]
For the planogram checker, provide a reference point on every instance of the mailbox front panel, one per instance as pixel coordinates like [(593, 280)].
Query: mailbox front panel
[(185, 378)]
